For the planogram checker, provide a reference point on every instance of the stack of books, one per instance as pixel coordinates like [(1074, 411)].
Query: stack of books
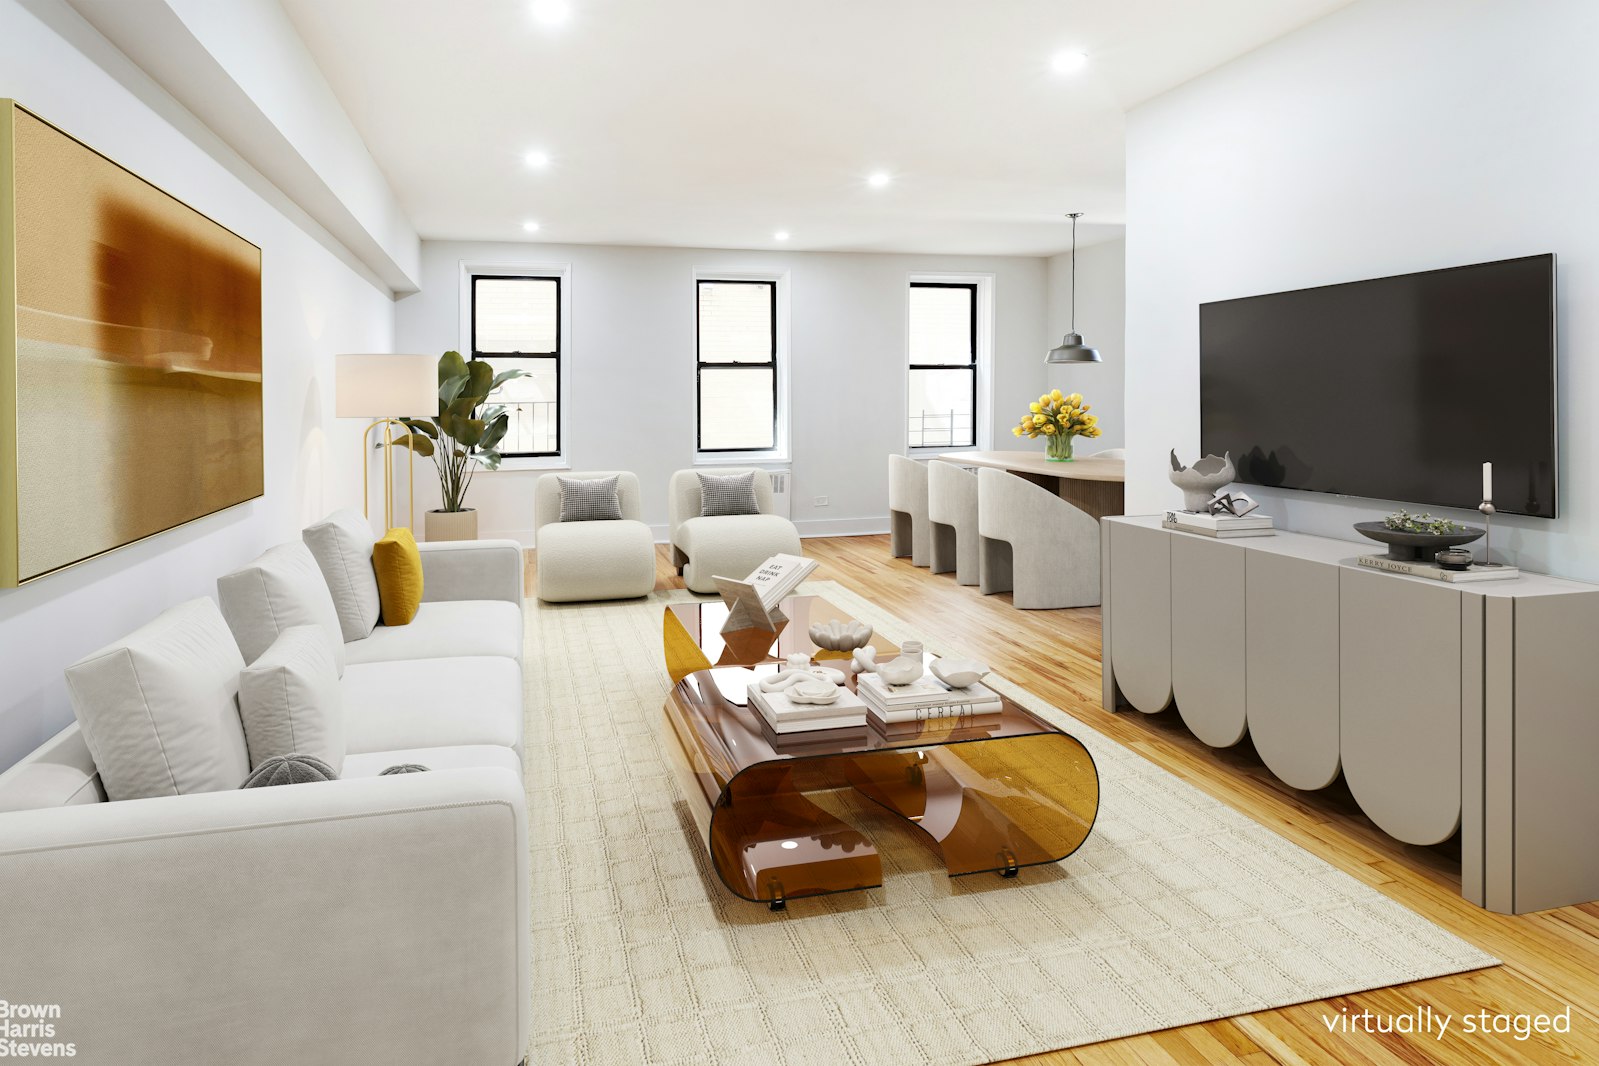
[(1223, 526), (926, 699), (783, 715)]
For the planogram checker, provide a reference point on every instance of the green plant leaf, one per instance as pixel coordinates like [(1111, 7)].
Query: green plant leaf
[(480, 377), (506, 375), (495, 433), (490, 460), (469, 432), (421, 425), (451, 366), (416, 442)]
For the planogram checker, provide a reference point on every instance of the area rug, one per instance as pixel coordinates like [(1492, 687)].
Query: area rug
[(1176, 910)]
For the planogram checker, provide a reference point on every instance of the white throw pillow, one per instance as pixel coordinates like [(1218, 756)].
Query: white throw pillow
[(290, 703), (281, 589), (342, 546), (158, 708)]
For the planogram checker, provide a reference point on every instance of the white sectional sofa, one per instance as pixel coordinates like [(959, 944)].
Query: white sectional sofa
[(368, 920)]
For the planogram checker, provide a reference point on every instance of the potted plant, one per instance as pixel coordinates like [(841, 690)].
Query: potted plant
[(1058, 419), (463, 436)]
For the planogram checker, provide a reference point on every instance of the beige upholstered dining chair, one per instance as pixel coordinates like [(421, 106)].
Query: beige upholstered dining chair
[(1035, 545), (907, 509), (952, 521)]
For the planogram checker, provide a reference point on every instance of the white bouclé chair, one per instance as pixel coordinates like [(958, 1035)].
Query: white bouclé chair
[(952, 521), (907, 510), (584, 561), (1035, 545), (709, 546)]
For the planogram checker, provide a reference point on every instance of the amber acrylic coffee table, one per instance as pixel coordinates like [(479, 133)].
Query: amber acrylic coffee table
[(994, 793)]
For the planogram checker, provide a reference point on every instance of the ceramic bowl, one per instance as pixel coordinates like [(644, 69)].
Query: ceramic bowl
[(1454, 559), (840, 636), (1414, 547), (958, 673)]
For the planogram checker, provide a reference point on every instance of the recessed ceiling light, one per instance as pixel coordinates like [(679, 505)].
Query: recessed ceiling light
[(1068, 62), (780, 235), (536, 159), (551, 12), (530, 226), (879, 179)]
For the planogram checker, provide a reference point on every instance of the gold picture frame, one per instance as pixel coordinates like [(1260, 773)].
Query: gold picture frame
[(130, 356)]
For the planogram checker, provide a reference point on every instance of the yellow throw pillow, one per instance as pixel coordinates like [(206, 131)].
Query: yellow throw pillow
[(399, 569)]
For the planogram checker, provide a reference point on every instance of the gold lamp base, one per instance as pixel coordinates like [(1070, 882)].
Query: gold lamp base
[(388, 425)]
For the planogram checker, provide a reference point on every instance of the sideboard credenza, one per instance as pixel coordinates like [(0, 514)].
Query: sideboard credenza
[(1470, 706)]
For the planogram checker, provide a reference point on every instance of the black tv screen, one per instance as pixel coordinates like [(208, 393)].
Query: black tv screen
[(1396, 389)]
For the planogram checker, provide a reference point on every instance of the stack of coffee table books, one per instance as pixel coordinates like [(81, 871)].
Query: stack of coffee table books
[(783, 715), (924, 700), (1221, 526)]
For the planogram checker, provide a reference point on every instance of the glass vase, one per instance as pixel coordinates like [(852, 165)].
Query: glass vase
[(1059, 447)]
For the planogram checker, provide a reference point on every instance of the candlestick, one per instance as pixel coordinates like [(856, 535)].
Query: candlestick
[(1488, 482), (1487, 509)]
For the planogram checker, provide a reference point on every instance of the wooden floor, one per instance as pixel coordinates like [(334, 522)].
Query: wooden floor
[(1551, 959)]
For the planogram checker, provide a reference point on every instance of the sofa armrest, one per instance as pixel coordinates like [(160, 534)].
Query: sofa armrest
[(379, 920), (472, 570)]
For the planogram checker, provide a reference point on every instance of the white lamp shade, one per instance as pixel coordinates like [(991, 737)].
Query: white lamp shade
[(386, 386)]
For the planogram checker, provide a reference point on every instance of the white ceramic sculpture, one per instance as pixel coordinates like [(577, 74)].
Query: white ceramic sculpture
[(864, 660), (906, 668), (814, 692), (1200, 481), (958, 673), (799, 673), (840, 636)]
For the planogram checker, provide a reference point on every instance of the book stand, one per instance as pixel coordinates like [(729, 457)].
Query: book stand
[(746, 614)]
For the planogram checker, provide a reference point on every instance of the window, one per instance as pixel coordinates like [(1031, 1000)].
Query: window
[(736, 353), (516, 325), (943, 364)]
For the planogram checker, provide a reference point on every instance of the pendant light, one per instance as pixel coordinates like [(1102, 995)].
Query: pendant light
[(1072, 349)]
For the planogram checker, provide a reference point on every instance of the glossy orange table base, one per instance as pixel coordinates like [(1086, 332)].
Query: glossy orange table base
[(995, 794)]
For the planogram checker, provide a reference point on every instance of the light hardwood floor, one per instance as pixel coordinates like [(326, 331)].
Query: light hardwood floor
[(1551, 959)]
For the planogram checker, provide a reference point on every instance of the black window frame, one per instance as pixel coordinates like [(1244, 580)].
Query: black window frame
[(555, 356), (970, 368), (700, 365)]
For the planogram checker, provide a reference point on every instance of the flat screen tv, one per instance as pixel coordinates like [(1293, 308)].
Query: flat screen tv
[(1395, 389)]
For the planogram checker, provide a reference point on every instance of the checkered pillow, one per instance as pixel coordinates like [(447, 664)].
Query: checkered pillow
[(724, 494), (593, 500)]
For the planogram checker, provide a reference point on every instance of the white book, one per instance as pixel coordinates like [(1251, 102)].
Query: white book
[(926, 691), (1219, 521), (933, 714), (777, 578), (1219, 534), (1422, 568), (845, 721), (779, 711)]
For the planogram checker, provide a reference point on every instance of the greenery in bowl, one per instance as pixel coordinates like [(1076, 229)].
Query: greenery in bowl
[(1405, 522)]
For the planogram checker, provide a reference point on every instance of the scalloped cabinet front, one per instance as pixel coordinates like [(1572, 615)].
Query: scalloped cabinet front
[(1469, 709), (1140, 573)]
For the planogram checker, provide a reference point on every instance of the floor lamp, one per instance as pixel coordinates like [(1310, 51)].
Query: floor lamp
[(386, 388)]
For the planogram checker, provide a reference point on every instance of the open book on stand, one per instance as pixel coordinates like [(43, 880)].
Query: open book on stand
[(754, 600)]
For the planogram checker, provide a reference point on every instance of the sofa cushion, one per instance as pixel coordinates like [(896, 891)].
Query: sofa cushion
[(433, 703), (728, 494), (342, 547), (595, 561), (157, 708), (281, 589), (289, 700), (458, 757), (590, 499), (444, 630), (398, 564)]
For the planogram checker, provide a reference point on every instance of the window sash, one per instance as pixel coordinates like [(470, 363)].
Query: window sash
[(969, 438), (508, 360), (701, 364)]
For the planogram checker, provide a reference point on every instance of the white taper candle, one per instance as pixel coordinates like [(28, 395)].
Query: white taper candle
[(1487, 481)]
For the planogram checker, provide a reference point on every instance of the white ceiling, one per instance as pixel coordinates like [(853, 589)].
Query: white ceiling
[(714, 123)]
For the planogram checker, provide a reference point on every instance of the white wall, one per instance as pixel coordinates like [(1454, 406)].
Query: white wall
[(313, 306), (632, 365), (1101, 319), (1391, 136)]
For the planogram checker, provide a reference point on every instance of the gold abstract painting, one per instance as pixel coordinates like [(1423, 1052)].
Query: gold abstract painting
[(130, 356)]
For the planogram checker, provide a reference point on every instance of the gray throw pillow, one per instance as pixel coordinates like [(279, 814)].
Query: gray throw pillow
[(725, 494), (289, 770), (593, 500)]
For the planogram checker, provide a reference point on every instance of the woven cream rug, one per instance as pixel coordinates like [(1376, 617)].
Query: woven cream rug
[(1176, 910)]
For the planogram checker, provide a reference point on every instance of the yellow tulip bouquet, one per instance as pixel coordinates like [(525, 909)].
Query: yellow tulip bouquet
[(1058, 419)]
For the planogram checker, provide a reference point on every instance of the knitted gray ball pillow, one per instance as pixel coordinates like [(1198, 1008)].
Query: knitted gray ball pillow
[(405, 768), (291, 769)]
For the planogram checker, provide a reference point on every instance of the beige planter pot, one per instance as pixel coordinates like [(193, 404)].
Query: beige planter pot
[(450, 525)]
